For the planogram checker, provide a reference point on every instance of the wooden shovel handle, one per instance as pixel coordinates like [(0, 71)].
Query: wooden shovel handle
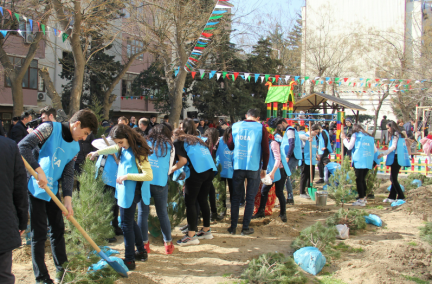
[(310, 155), (63, 208)]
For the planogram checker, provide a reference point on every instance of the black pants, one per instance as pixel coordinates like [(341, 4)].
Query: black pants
[(212, 198), (305, 176), (197, 187), (230, 189), (279, 187), (361, 181), (78, 171), (43, 214), (6, 276), (321, 164), (115, 208), (395, 190)]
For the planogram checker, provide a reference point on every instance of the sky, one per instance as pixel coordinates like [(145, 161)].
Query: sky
[(254, 18)]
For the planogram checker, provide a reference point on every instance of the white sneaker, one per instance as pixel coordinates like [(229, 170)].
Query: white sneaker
[(359, 203), (201, 235), (305, 196), (188, 241), (388, 200)]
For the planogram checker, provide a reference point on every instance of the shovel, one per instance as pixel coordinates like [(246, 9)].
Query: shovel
[(115, 265), (311, 189)]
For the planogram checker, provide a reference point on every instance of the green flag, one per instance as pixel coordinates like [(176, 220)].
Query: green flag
[(17, 16), (43, 28), (278, 94), (64, 36), (266, 77)]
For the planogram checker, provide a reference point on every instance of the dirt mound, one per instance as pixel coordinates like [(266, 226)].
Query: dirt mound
[(21, 255), (419, 201)]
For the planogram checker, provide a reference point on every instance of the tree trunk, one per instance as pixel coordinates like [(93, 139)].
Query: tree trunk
[(377, 110), (51, 91), (17, 96), (176, 102)]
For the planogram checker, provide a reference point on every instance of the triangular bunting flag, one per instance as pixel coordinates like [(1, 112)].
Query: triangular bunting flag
[(202, 75), (193, 74), (17, 16), (327, 78), (176, 71), (4, 33), (306, 78), (296, 78), (43, 28), (10, 13), (262, 79), (345, 79), (218, 76), (64, 36), (31, 24), (1, 10), (266, 77), (246, 75), (224, 74), (212, 73), (256, 77), (302, 81), (235, 75), (287, 78), (202, 72), (277, 77), (273, 79)]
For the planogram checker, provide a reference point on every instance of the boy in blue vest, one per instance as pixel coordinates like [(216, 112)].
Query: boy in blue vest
[(305, 178), (249, 141), (58, 143), (324, 149), (329, 169)]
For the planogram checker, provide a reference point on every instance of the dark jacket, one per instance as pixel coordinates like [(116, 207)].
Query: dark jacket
[(13, 192), (19, 131), (2, 132), (85, 148), (383, 124), (408, 127)]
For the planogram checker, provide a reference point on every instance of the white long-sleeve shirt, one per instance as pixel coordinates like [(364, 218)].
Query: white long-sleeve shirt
[(350, 144), (393, 147)]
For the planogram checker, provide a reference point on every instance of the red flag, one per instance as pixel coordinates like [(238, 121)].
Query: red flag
[(408, 81), (377, 80), (235, 75), (396, 86), (330, 82), (345, 79), (122, 98), (10, 13), (227, 75), (354, 84), (277, 78), (141, 97), (197, 47), (193, 59), (206, 34), (38, 26), (193, 75)]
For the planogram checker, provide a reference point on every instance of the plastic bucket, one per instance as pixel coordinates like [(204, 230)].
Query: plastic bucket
[(321, 198)]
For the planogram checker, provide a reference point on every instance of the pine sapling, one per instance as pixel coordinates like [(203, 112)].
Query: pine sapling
[(220, 188), (346, 189), (354, 219)]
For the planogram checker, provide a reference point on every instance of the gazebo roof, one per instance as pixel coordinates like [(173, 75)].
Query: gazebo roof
[(313, 101)]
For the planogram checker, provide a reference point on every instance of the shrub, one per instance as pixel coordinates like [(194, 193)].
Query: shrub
[(372, 181), (407, 182), (220, 188), (346, 189), (352, 218), (426, 232), (273, 268), (318, 236)]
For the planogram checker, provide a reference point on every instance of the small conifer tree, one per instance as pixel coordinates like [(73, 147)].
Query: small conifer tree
[(220, 188), (354, 219), (346, 189), (92, 210), (372, 181)]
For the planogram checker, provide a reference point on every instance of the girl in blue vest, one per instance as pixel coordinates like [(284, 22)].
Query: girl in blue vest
[(397, 156), (134, 167), (193, 153), (305, 177), (362, 158), (324, 149), (329, 170), (224, 157), (159, 140), (275, 170)]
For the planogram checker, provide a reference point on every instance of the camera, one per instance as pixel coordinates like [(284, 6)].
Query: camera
[(61, 117), (35, 122)]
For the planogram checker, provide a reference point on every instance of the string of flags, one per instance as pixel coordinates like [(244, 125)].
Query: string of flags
[(136, 97), (382, 92), (45, 29), (341, 81), (218, 12)]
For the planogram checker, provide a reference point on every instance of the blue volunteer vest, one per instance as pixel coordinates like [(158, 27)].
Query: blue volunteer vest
[(200, 157), (53, 157), (160, 165), (278, 138), (203, 138), (271, 163), (125, 192), (402, 154), (363, 156), (322, 145), (247, 138), (285, 147), (224, 157), (109, 174), (332, 167), (307, 151)]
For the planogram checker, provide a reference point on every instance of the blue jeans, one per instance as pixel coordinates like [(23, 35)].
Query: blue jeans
[(292, 164), (131, 231), (160, 197), (253, 181)]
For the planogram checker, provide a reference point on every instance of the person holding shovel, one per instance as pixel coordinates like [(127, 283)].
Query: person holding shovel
[(309, 158), (134, 167), (58, 143)]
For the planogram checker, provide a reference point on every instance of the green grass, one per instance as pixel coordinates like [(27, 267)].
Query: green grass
[(330, 280), (414, 244), (346, 248), (415, 279), (380, 207)]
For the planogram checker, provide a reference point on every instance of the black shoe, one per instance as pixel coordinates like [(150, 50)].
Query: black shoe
[(118, 231), (320, 181), (290, 201), (215, 217), (232, 231), (129, 264), (247, 231), (112, 240), (183, 228), (259, 214), (141, 256), (46, 280), (283, 218), (370, 196)]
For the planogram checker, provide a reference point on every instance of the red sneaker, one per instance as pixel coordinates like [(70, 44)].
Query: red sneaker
[(169, 249), (147, 246)]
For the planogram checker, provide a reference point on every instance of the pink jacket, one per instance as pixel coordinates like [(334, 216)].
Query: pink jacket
[(427, 145)]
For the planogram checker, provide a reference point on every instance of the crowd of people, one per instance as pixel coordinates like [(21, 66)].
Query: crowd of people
[(138, 157)]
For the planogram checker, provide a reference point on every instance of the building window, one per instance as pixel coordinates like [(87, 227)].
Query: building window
[(126, 88), (30, 80), (41, 85), (135, 46)]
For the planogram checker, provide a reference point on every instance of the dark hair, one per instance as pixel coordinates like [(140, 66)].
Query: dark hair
[(315, 127), (253, 112), (326, 160), (137, 143), (153, 115), (227, 134), (87, 118), (160, 136), (358, 128), (189, 127), (48, 110), (124, 118), (280, 120), (180, 135), (278, 131), (301, 127), (15, 118), (213, 135), (132, 116), (394, 128), (24, 115), (166, 116), (143, 121)]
